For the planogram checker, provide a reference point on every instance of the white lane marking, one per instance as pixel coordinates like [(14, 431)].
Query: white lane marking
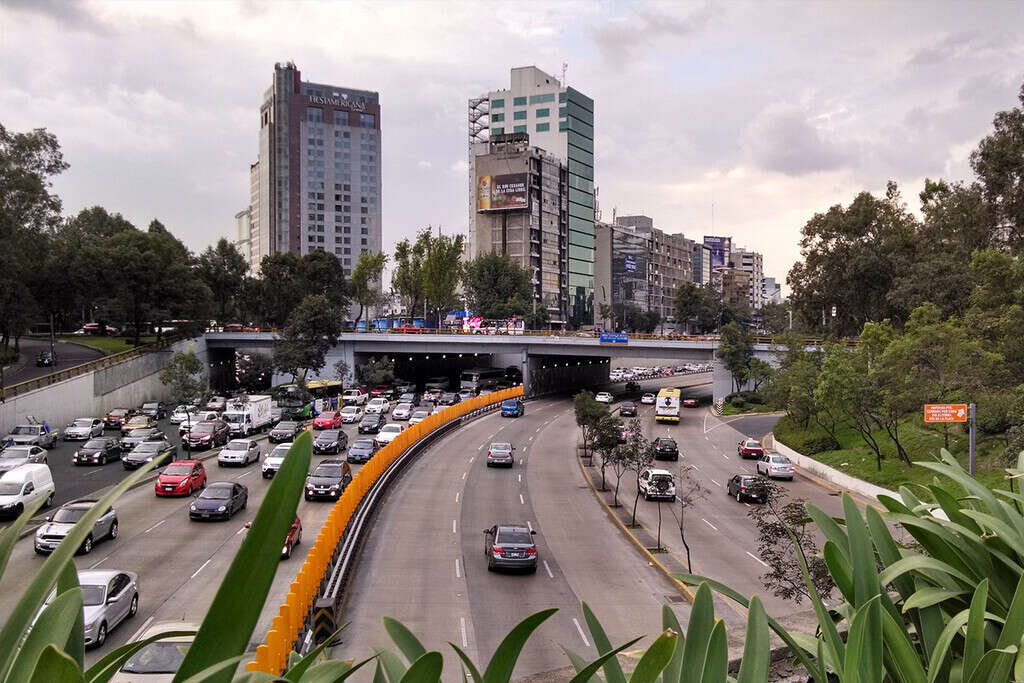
[(747, 504), (724, 455), (529, 440), (463, 475), (481, 447), (145, 625), (458, 572), (715, 482), (579, 628), (471, 461), (462, 627), (201, 568), (520, 461), (154, 526), (694, 467), (521, 501), (240, 531), (520, 478), (528, 525), (524, 448), (763, 563), (244, 475), (548, 569), (453, 526), (538, 429), (709, 524), (456, 496), (89, 474), (493, 435), (96, 564)]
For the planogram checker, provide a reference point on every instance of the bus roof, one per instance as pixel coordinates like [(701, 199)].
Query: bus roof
[(669, 392)]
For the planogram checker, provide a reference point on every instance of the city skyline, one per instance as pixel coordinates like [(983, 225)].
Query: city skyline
[(719, 106)]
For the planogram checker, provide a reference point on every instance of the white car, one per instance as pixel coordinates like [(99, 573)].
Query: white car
[(775, 466), (418, 416), (272, 460), (239, 452), (158, 661), (657, 483), (354, 397), (387, 433), (603, 397), (83, 429), (403, 411), (182, 414), (351, 414), (648, 399), (378, 405)]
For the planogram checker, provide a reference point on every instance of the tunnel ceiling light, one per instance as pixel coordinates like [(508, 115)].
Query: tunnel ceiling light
[(444, 355)]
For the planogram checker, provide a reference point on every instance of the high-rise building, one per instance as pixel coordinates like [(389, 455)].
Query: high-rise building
[(628, 255), (720, 248), (243, 234), (734, 284), (772, 291), (701, 264), (560, 121), (317, 184), (671, 262), (752, 263)]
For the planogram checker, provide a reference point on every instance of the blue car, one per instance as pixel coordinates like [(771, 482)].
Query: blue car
[(513, 407)]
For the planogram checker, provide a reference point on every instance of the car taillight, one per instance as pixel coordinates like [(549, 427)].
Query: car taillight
[(488, 454), (497, 550), (531, 551), (743, 488)]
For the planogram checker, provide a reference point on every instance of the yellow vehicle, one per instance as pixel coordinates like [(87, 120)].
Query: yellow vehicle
[(666, 408)]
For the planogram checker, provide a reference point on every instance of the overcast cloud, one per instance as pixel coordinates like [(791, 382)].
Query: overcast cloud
[(768, 111)]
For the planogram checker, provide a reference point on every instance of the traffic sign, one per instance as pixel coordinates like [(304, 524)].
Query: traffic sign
[(945, 412)]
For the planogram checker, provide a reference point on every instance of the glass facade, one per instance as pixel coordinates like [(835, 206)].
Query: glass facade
[(580, 144)]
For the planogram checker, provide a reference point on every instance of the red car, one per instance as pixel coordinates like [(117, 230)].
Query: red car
[(293, 539), (181, 478), (329, 419), (749, 448), (689, 403)]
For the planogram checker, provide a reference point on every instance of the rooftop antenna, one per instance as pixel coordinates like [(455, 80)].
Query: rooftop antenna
[(565, 67)]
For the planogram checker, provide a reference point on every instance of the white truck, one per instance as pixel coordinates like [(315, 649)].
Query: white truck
[(249, 416)]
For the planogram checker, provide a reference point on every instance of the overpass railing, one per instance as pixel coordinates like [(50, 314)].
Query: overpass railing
[(304, 611)]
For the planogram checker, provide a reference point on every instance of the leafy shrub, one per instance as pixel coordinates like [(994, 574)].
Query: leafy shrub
[(747, 397), (818, 444), (738, 403)]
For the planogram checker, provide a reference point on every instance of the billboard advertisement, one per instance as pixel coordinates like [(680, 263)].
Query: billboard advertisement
[(719, 247), (502, 192), (629, 263)]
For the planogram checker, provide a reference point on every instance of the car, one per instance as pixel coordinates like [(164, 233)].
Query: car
[(402, 411), (409, 397), (58, 525), (117, 417), (747, 487), (448, 398), (293, 538), (499, 453), (361, 451), (23, 487), (83, 429), (329, 419), (94, 328), (32, 434), (623, 434), (513, 407), (604, 397), (199, 416), (45, 359), (441, 383), (749, 448), (354, 397), (182, 414), (181, 478), (627, 409), (665, 448), (387, 433), (328, 480), (378, 405), (272, 460), (351, 414), (510, 546), (16, 456), (775, 467), (137, 436), (220, 499), (371, 423), (382, 391), (330, 441), (404, 386), (689, 403), (239, 452), (137, 422), (98, 451), (466, 394), (208, 434), (147, 451), (155, 409), (158, 661), (648, 399), (418, 416), (656, 483), (109, 596), (218, 403), (431, 395)]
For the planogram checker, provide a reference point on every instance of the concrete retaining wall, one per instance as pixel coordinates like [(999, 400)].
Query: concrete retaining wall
[(830, 474), (127, 384)]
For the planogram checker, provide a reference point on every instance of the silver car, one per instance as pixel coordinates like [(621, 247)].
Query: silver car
[(16, 456), (403, 411), (418, 416), (59, 524), (239, 452), (32, 435), (83, 429), (500, 454), (775, 466), (110, 597)]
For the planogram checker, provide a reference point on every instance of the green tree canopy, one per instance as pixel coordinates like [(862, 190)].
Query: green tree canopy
[(312, 329), (497, 287), (222, 267), (366, 280)]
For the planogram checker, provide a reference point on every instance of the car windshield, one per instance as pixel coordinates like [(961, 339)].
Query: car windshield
[(332, 471), (93, 595), (421, 413), (390, 429), (349, 410), (661, 478), (24, 429), (69, 515), (751, 444), (501, 447), (237, 446), (178, 470), (403, 406), (371, 419), (216, 493), (149, 447), (15, 453), (150, 406), (139, 432), (329, 435), (378, 401), (362, 445), (160, 657), (329, 415), (625, 406), (668, 443), (514, 536), (780, 460), (95, 443), (280, 452), (83, 422), (286, 425), (233, 417), (140, 420), (747, 481), (203, 428), (10, 488), (118, 412)]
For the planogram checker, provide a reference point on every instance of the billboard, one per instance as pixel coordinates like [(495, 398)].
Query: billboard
[(629, 263), (720, 247), (502, 192)]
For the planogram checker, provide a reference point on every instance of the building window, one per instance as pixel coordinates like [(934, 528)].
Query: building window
[(542, 127), (367, 121), (541, 113), (497, 118), (518, 101), (341, 118), (362, 240), (314, 114), (541, 99), (364, 231), (497, 131), (519, 115), (497, 104), (519, 129)]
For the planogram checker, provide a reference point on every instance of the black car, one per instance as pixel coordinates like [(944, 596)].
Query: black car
[(137, 436), (665, 449), (155, 409), (361, 450), (627, 409), (330, 441), (219, 500), (372, 423), (45, 359), (328, 480), (747, 487), (449, 398), (98, 451), (285, 431), (510, 546), (161, 451), (409, 397)]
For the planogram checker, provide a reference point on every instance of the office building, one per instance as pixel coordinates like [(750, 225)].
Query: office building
[(734, 284), (701, 264), (560, 121), (243, 235), (772, 291), (317, 183), (670, 262), (720, 249), (622, 266), (752, 263)]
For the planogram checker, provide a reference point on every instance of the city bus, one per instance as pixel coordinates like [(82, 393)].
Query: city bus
[(666, 409), (476, 379), (299, 405)]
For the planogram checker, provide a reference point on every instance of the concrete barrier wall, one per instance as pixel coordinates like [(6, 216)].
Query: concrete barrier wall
[(92, 394), (830, 474)]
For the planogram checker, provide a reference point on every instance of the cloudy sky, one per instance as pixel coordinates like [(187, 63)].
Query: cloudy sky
[(768, 111)]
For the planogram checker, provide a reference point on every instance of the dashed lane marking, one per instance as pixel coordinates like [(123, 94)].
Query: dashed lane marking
[(709, 524), (458, 571), (579, 628), (453, 526), (462, 628), (154, 526), (521, 501), (201, 568), (763, 563), (548, 569), (715, 483)]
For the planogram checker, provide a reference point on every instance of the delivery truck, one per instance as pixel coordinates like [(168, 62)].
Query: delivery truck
[(245, 417)]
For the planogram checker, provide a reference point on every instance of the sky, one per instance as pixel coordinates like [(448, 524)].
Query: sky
[(732, 118)]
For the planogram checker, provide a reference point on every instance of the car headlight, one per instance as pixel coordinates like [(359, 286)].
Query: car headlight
[(149, 459), (222, 508), (192, 507)]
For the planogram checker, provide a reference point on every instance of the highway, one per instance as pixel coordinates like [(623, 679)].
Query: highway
[(68, 355)]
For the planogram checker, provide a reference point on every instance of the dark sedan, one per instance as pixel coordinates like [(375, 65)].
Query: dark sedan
[(361, 451), (208, 434), (627, 409), (372, 423), (98, 451), (155, 409), (137, 436), (219, 500), (161, 451), (748, 487), (285, 431), (448, 398), (665, 449), (330, 441), (510, 546), (328, 480)]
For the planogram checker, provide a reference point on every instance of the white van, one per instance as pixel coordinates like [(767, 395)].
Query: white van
[(24, 485)]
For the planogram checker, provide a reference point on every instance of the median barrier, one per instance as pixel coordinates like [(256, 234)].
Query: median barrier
[(309, 611)]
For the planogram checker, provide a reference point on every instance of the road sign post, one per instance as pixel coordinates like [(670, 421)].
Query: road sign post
[(954, 412), (973, 422)]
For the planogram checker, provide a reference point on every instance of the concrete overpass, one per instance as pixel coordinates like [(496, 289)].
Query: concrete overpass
[(548, 362)]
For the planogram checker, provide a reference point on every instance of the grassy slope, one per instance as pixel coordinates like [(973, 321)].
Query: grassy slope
[(108, 345), (921, 443)]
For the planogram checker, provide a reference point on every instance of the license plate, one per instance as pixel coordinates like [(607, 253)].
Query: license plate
[(516, 556), (206, 514)]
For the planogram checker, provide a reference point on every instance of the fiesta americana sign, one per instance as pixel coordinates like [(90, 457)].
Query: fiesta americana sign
[(344, 102)]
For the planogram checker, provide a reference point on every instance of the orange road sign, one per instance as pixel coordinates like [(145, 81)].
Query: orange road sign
[(945, 412)]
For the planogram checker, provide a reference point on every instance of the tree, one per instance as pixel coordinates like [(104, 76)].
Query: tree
[(342, 372), (689, 492), (605, 438), (321, 274), (845, 392), (759, 372), (254, 372), (376, 371), (497, 287), (735, 350), (280, 290), (774, 318), (588, 413), (407, 277), (441, 272), (312, 329), (222, 268), (366, 280), (999, 164), (639, 455), (182, 375)]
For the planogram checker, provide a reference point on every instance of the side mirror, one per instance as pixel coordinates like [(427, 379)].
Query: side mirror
[(248, 525), (49, 518), (487, 532), (533, 532)]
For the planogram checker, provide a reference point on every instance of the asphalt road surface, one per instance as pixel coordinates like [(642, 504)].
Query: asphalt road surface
[(68, 355)]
